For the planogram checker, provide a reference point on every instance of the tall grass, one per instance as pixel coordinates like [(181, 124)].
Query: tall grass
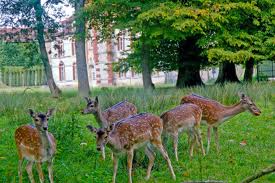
[(80, 163)]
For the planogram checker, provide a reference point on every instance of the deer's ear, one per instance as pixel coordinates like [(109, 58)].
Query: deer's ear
[(87, 99), (91, 128), (110, 127), (50, 112), (241, 95), (31, 112)]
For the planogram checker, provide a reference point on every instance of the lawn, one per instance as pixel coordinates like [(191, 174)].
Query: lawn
[(75, 162)]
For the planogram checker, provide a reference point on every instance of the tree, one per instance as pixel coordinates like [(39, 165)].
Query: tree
[(31, 14), (245, 38), (108, 15), (80, 29), (19, 54)]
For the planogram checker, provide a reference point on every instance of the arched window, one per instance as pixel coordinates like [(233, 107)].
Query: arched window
[(74, 71), (61, 71)]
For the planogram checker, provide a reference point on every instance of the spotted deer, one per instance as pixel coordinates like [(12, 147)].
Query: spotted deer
[(113, 114), (141, 130), (183, 117), (36, 145), (215, 113)]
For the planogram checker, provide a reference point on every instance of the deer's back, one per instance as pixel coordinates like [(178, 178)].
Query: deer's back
[(210, 108), (120, 111), (185, 115), (138, 129)]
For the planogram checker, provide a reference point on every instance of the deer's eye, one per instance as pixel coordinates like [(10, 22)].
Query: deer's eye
[(36, 119)]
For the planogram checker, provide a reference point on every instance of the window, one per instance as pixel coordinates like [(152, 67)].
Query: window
[(120, 42), (61, 71), (74, 71)]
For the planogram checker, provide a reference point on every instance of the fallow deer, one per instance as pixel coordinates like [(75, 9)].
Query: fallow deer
[(215, 113), (114, 113), (183, 117), (141, 130), (36, 145)]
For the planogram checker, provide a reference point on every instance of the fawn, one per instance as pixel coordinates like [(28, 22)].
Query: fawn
[(141, 130), (112, 114), (183, 117), (36, 144), (215, 113)]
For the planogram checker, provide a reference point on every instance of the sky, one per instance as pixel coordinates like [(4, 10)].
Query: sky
[(69, 10)]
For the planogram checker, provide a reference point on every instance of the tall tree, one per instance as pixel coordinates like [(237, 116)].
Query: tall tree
[(80, 29), (32, 14), (245, 37), (108, 15)]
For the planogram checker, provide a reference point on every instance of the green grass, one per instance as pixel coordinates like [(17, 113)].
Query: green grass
[(76, 163)]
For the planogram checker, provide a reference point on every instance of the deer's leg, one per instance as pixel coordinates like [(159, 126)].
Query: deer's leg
[(50, 170), (20, 162), (157, 143), (29, 171), (208, 138), (216, 138), (151, 155), (175, 144), (115, 164), (193, 142), (130, 155), (200, 142), (40, 172), (103, 153)]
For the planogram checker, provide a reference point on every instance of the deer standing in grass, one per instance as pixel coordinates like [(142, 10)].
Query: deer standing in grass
[(215, 113), (183, 117), (141, 130), (36, 145), (114, 113)]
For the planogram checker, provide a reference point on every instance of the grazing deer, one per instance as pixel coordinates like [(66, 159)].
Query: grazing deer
[(183, 117), (141, 130), (36, 145), (215, 113), (114, 113)]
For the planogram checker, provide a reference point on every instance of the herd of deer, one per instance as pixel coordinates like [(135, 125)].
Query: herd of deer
[(123, 131)]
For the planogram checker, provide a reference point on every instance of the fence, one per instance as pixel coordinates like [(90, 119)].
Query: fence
[(19, 76), (266, 70)]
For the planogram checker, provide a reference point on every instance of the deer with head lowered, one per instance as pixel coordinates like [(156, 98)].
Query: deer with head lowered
[(183, 117), (141, 130), (114, 113), (36, 145), (215, 113)]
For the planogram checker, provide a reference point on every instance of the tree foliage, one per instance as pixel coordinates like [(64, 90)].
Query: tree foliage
[(19, 54)]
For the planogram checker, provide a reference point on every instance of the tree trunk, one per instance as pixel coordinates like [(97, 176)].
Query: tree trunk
[(55, 91), (248, 73), (189, 64), (227, 73), (82, 73), (146, 72)]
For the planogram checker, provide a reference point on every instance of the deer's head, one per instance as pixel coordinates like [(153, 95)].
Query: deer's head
[(249, 105), (92, 106), (102, 135), (41, 119)]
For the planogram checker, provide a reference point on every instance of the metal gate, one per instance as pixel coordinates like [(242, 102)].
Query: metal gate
[(266, 70)]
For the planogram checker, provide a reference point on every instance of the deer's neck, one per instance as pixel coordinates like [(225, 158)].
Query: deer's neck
[(114, 144), (100, 118), (47, 143), (231, 111)]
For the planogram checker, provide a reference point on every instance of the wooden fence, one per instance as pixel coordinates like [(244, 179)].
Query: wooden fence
[(19, 76)]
